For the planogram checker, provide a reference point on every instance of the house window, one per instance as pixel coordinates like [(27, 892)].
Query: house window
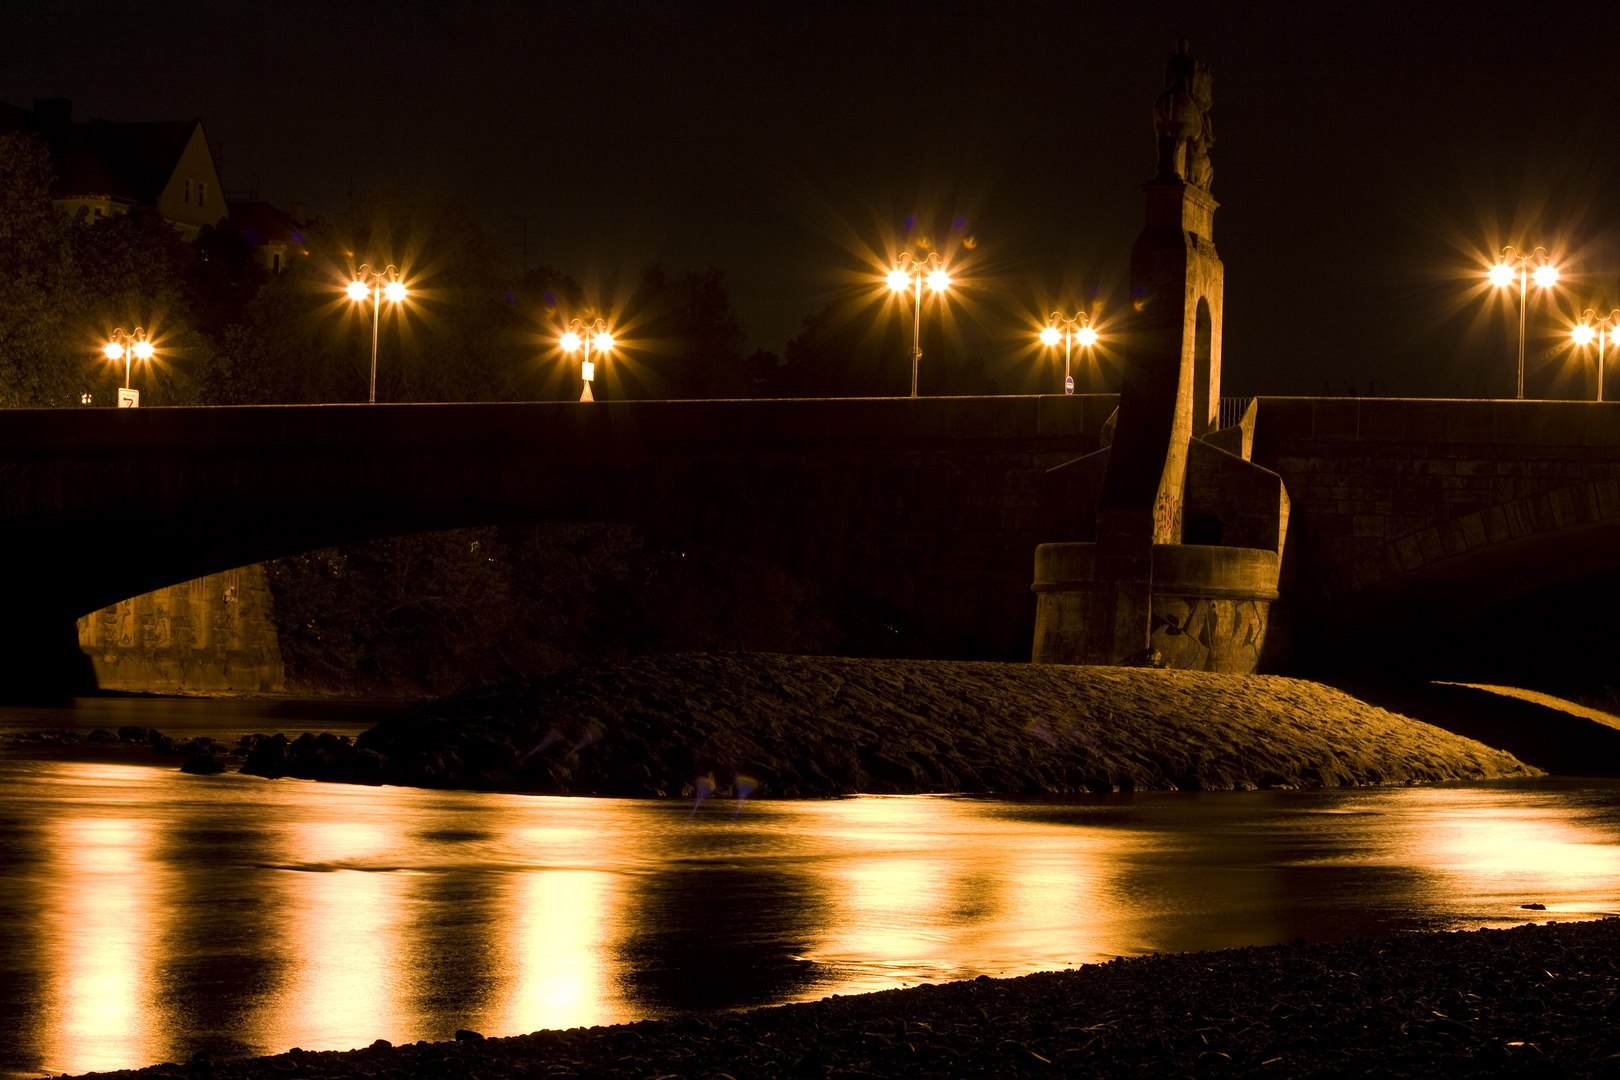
[(275, 263), (188, 192), (202, 193)]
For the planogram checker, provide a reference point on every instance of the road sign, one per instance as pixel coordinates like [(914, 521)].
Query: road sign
[(127, 398), (1068, 384)]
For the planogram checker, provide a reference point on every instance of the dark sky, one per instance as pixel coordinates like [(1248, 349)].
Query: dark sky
[(1367, 155)]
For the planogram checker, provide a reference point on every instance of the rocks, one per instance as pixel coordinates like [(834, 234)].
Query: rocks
[(201, 756), (766, 725), (1535, 1000), (313, 757)]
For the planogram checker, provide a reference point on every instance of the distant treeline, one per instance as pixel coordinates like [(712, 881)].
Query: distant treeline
[(229, 332)]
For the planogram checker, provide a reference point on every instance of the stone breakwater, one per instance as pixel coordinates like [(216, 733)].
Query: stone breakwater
[(796, 726), (1532, 1001)]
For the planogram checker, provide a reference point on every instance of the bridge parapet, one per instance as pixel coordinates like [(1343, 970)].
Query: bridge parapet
[(1415, 513)]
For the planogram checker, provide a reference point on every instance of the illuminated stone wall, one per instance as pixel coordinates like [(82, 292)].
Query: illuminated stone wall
[(213, 634)]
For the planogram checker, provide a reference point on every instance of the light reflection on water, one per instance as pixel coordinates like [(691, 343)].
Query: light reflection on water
[(146, 914)]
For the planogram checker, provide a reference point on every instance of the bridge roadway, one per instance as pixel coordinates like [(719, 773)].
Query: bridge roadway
[(1407, 514)]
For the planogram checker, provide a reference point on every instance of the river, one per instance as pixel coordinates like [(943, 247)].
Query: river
[(146, 914)]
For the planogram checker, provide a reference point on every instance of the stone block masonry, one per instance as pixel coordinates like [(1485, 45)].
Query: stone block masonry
[(210, 635)]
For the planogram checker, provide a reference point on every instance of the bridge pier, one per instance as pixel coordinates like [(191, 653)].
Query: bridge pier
[(1209, 608), (1170, 539), (40, 659)]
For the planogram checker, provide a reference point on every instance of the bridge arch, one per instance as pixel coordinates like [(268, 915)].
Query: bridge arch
[(1418, 584), (928, 505)]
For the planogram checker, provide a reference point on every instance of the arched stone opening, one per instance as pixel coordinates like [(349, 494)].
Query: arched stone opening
[(1203, 336)]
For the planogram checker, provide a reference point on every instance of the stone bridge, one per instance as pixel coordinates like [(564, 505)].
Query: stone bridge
[(1410, 515), (1407, 514), (929, 505)]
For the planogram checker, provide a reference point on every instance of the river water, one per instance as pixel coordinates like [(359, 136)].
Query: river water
[(146, 914)]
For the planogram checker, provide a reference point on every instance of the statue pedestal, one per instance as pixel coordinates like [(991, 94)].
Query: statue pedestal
[(1210, 607)]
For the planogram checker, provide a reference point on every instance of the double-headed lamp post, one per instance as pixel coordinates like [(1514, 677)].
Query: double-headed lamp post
[(128, 346), (1545, 274), (376, 286), (1603, 329), (909, 274), (583, 335), (1067, 329)]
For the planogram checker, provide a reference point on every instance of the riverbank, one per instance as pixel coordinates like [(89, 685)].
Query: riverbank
[(769, 725), (1531, 1001)]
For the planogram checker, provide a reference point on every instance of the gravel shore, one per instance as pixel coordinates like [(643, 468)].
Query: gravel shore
[(802, 726), (1531, 1001)]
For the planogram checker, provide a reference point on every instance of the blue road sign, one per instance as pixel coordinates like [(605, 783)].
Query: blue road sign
[(1068, 384)]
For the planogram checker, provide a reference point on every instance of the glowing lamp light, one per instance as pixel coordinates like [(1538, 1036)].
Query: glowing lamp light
[(143, 350), (1583, 334), (357, 290), (569, 342), (603, 342), (898, 280), (394, 291), (939, 281), (1513, 262), (1068, 330), (113, 350)]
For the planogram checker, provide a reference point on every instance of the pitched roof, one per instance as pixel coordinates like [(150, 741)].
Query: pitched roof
[(132, 162)]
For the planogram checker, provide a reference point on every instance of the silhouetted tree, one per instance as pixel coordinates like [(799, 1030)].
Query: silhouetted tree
[(461, 336), (683, 337), (66, 283), (37, 293)]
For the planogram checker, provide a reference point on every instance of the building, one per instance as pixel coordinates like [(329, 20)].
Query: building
[(273, 236), (105, 168)]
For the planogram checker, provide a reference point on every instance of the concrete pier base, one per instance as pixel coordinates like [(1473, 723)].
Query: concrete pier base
[(1211, 607)]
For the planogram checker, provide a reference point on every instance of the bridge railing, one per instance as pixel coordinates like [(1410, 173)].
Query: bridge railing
[(1231, 411)]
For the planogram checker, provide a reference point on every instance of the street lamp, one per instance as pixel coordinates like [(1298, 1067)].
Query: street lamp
[(1544, 274), (583, 335), (909, 274), (128, 346), (1606, 328), (1061, 327), (376, 286)]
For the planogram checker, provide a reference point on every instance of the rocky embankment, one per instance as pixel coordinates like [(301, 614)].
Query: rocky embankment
[(1532, 1001), (797, 726), (202, 755)]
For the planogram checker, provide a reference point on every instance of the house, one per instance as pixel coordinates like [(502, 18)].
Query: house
[(273, 236), (105, 168)]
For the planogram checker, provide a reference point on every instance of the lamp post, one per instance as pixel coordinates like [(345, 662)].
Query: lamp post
[(376, 286), (583, 335), (128, 346), (909, 274), (1545, 275), (1606, 328), (1067, 329)]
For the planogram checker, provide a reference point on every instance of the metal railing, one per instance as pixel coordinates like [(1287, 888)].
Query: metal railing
[(1231, 411)]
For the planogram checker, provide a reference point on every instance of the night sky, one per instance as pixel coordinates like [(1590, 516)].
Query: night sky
[(1367, 156)]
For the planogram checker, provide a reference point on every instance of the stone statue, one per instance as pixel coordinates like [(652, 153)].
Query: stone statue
[(1181, 118)]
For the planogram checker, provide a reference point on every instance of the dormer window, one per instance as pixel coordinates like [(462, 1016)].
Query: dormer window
[(202, 193), (188, 192)]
